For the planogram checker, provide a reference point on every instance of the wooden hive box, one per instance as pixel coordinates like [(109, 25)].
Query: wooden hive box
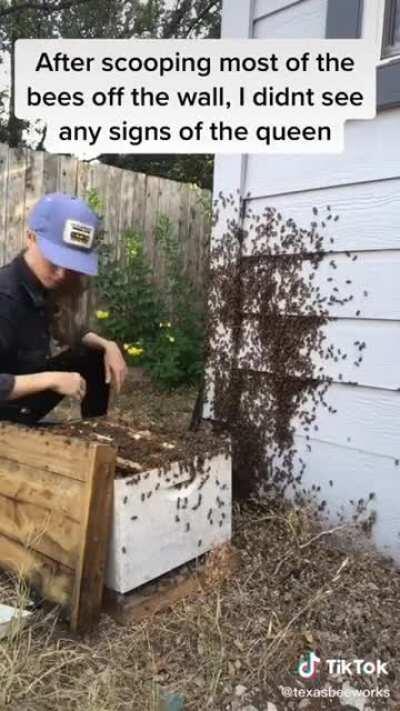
[(162, 519), (55, 510), (74, 515)]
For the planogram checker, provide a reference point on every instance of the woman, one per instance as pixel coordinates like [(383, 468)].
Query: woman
[(38, 291)]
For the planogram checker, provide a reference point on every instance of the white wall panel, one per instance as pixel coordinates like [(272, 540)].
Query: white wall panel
[(379, 369), (355, 475), (358, 448), (267, 7), (369, 214), (366, 419), (371, 283), (372, 152), (296, 21)]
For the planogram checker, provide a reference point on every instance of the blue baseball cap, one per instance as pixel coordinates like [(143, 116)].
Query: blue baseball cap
[(65, 228)]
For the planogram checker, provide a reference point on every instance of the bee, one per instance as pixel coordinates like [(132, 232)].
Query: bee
[(196, 506)]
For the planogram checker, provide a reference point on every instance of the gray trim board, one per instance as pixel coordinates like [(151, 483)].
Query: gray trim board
[(389, 85), (344, 19), (388, 35)]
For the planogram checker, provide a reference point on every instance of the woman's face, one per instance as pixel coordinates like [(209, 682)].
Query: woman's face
[(49, 274)]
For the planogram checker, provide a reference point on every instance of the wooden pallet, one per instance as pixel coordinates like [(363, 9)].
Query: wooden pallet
[(157, 596), (55, 515)]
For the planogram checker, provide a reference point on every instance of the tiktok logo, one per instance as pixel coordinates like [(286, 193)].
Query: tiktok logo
[(307, 667)]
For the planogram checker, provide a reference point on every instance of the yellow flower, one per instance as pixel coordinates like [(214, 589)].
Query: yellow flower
[(126, 346), (133, 351), (102, 314)]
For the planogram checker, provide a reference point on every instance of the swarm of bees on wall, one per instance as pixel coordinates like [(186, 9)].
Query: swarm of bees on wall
[(270, 362)]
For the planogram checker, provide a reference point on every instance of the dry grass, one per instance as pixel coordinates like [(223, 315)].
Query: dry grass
[(293, 591)]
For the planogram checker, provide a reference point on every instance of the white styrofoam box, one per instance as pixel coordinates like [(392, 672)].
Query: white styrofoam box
[(163, 520), (9, 616)]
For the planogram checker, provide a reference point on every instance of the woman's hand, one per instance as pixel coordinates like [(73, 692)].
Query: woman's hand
[(70, 384), (114, 364), (63, 383)]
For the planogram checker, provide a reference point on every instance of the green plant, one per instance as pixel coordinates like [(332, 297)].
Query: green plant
[(94, 201), (125, 287), (176, 357), (157, 322), (204, 201)]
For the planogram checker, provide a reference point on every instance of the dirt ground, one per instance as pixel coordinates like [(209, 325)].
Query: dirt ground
[(296, 590)]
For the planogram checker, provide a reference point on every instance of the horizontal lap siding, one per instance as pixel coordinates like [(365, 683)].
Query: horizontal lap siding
[(372, 152), (268, 7), (380, 365), (365, 419), (369, 213), (361, 418), (370, 283), (355, 450), (295, 20), (355, 475)]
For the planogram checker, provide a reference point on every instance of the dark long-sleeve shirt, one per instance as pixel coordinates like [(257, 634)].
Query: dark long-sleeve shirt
[(24, 324), (24, 335)]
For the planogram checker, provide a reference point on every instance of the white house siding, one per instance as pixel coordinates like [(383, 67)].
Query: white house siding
[(359, 447), (291, 20)]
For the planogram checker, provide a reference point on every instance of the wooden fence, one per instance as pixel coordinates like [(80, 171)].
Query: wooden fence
[(130, 200)]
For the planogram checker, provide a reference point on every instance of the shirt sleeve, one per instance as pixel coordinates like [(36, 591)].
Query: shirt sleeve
[(7, 382), (83, 331), (7, 342)]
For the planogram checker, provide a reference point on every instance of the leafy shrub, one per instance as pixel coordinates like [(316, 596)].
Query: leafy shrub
[(125, 287), (159, 326), (177, 353), (175, 357)]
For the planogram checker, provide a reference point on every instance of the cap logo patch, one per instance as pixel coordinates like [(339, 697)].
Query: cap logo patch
[(78, 234)]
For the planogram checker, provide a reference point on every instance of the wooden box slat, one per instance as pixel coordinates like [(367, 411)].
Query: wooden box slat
[(41, 529), (54, 581), (45, 451), (88, 590), (29, 485), (55, 514)]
